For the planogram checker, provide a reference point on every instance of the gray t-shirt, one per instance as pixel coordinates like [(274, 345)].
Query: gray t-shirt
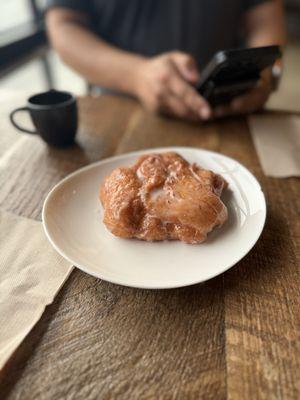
[(151, 27)]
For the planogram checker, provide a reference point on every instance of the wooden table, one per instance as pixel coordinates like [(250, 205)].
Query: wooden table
[(234, 337)]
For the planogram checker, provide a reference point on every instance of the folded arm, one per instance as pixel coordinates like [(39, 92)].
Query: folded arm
[(97, 61), (162, 83)]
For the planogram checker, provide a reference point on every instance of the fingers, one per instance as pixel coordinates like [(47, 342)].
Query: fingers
[(245, 104), (250, 102), (188, 95), (163, 100), (186, 65), (174, 106)]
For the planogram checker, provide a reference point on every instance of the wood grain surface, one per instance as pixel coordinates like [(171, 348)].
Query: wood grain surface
[(234, 337)]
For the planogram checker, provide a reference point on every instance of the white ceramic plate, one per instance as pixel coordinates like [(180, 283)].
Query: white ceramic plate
[(72, 219)]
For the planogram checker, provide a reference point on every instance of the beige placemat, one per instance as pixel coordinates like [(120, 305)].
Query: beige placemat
[(277, 142), (284, 100), (31, 273)]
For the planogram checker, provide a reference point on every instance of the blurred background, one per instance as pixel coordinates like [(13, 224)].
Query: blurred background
[(26, 61), (28, 64)]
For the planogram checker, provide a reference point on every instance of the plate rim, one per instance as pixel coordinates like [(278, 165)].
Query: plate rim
[(136, 153)]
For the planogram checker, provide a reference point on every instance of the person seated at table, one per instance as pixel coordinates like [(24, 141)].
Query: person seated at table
[(154, 49)]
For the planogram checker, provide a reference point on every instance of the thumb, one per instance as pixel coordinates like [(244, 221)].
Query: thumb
[(186, 66)]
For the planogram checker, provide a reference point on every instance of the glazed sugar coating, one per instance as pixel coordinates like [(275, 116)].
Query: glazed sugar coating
[(163, 197)]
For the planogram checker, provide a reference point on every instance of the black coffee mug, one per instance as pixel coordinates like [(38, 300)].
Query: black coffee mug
[(54, 115)]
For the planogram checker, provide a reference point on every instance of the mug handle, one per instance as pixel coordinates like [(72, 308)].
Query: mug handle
[(11, 117)]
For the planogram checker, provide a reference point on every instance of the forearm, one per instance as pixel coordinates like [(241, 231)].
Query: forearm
[(96, 60), (264, 24)]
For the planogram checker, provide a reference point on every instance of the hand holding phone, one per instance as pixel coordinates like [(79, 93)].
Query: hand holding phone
[(250, 101), (166, 83)]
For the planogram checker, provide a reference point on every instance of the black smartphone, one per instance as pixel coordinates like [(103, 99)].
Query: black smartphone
[(231, 73)]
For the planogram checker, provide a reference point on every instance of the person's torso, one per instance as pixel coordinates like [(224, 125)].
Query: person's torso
[(151, 27)]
